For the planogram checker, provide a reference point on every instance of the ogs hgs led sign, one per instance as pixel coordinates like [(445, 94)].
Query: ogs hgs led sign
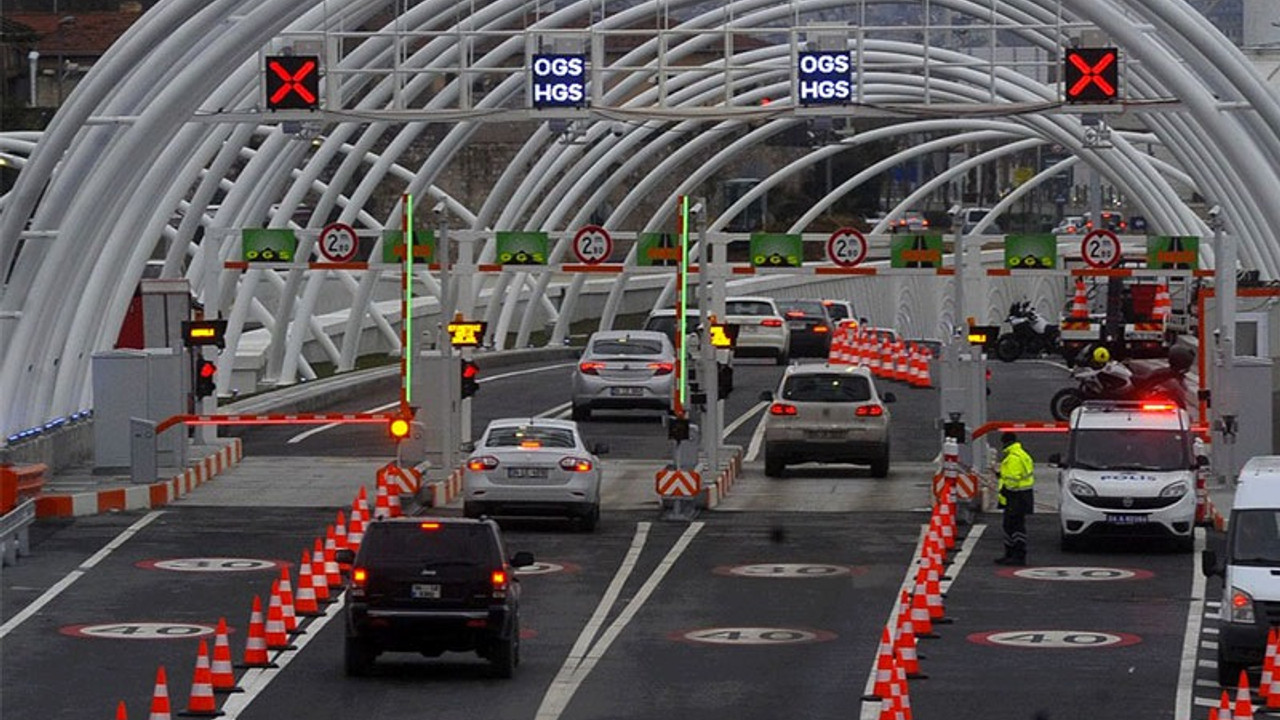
[(558, 80), (824, 77)]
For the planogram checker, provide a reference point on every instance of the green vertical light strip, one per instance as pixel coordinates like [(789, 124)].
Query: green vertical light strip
[(408, 298), (684, 275)]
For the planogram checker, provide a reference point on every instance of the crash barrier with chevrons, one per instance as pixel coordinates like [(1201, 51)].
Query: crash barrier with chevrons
[(715, 491), (442, 492), (404, 480), (143, 496)]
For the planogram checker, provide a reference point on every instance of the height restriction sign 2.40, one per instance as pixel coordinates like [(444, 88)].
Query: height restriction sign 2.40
[(1100, 249)]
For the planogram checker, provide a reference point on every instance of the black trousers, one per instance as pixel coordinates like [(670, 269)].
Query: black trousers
[(1017, 506)]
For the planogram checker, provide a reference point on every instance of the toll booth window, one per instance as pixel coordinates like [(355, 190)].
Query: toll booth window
[(826, 388)]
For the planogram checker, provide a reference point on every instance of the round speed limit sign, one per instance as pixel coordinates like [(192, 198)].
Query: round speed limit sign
[(1100, 249), (338, 242), (592, 244), (846, 247)]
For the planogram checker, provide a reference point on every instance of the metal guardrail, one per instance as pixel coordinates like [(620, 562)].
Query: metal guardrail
[(14, 537)]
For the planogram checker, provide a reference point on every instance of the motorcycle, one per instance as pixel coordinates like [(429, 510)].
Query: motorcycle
[(1029, 334), (1118, 380)]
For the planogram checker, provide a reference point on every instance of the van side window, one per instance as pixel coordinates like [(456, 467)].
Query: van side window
[(1255, 537)]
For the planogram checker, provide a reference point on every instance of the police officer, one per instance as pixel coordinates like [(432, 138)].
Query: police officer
[(1017, 477)]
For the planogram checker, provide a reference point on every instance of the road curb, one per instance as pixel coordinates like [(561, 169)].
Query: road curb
[(718, 489), (141, 497)]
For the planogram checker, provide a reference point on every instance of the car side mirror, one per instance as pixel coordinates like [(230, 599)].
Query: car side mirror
[(889, 398), (1055, 459), (600, 449), (766, 395), (468, 446), (345, 556), (524, 558), (1209, 564)]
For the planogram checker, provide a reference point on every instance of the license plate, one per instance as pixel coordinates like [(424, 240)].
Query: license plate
[(423, 591), (626, 391), (531, 472), (1126, 519), (825, 434), (795, 324)]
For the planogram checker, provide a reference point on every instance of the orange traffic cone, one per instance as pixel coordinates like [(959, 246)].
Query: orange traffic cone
[(221, 676), (305, 603), (1080, 302), (202, 702), (1268, 667), (340, 532), (332, 573), (920, 619), (122, 713), (319, 576), (382, 504), (276, 632), (901, 697), (160, 697), (947, 519), (286, 602), (905, 640), (362, 501), (1243, 709), (884, 668), (355, 531), (1270, 687), (1162, 307), (1224, 706), (255, 647)]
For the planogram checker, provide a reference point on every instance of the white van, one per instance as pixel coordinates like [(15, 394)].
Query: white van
[(1250, 569), (1130, 470)]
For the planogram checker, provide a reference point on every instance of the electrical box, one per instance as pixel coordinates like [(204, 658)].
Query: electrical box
[(147, 384)]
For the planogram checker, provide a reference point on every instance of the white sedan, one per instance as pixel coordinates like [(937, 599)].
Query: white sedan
[(533, 466)]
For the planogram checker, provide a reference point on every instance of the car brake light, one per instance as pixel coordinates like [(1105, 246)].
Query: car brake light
[(591, 368), (661, 368), (820, 328), (782, 409), (1157, 407), (575, 464), (869, 411), (429, 525), (531, 444), (359, 577), (771, 322), (795, 313), (484, 462), (498, 580)]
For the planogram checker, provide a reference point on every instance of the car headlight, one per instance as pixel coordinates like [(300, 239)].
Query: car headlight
[(1082, 489), (1176, 489), (1240, 607)]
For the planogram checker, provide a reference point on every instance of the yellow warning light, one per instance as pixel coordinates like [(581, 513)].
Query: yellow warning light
[(723, 336), (399, 428), (466, 334)]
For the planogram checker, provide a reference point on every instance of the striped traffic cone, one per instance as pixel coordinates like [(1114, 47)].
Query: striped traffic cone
[(905, 639), (1243, 709), (382, 503), (340, 532), (355, 530), (276, 633), (122, 713), (202, 703), (255, 646), (1224, 706), (1080, 302), (332, 573), (1162, 306), (920, 619), (901, 697), (926, 381), (160, 697), (221, 676), (305, 603), (319, 577), (361, 502), (1270, 686), (287, 607), (884, 668)]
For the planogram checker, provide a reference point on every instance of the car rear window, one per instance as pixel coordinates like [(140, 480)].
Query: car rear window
[(812, 308), (416, 544), (517, 436), (837, 312), (748, 307), (626, 346), (826, 388)]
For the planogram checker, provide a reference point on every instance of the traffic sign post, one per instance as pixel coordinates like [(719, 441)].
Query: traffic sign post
[(1100, 249)]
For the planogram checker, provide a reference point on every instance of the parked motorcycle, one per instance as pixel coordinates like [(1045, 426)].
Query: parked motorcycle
[(1029, 334), (1117, 380)]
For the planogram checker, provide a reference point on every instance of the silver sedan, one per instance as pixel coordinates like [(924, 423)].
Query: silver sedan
[(624, 369), (533, 466)]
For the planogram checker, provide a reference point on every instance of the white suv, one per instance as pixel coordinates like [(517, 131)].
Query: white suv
[(1129, 471), (826, 413), (761, 328)]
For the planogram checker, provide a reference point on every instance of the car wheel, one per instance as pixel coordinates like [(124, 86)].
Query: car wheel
[(581, 412), (506, 654), (880, 466), (1063, 402), (1008, 348), (774, 466), (591, 519), (358, 657)]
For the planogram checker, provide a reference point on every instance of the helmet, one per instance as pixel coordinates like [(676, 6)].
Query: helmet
[(1101, 355)]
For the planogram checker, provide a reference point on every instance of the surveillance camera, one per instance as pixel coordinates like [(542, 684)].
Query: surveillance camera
[(617, 129), (696, 209), (439, 208), (954, 210), (1215, 211)]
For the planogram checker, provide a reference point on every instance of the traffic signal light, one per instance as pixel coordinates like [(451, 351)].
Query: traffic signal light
[(399, 428), (292, 82), (470, 375), (206, 377), (1091, 75)]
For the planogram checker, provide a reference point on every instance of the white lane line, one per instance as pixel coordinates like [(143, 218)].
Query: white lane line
[(1191, 637), (76, 574), (743, 418), (255, 680), (582, 659), (560, 411), (757, 439), (381, 408)]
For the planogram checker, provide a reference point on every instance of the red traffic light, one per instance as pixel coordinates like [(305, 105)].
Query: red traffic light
[(1091, 75), (206, 380), (292, 82), (470, 383)]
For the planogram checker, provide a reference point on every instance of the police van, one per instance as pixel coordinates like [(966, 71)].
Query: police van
[(1250, 569), (1129, 471)]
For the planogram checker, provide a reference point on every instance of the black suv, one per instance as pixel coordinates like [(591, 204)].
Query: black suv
[(430, 585)]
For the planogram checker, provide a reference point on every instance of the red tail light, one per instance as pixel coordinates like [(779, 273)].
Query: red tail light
[(869, 411), (498, 580), (575, 464), (1157, 407), (430, 525), (591, 368), (771, 322), (782, 409), (484, 462), (924, 223), (359, 577), (661, 368), (795, 313), (820, 328)]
